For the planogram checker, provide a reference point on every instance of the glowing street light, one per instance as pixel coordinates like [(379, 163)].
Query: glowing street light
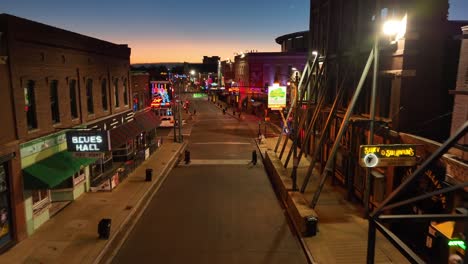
[(192, 72), (395, 28)]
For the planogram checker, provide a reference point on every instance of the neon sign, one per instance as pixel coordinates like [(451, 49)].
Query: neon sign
[(387, 155), (457, 243)]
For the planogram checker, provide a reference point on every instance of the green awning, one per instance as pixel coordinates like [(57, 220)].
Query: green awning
[(50, 172)]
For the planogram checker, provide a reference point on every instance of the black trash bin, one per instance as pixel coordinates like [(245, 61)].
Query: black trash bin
[(149, 174), (311, 225), (187, 157), (104, 227)]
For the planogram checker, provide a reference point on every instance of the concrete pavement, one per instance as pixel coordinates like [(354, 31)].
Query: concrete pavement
[(342, 231), (71, 236)]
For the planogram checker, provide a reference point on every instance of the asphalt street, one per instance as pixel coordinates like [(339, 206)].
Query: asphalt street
[(219, 208)]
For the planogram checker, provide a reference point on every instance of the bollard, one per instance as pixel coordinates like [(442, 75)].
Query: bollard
[(104, 227), (254, 157), (311, 226), (149, 174), (187, 157)]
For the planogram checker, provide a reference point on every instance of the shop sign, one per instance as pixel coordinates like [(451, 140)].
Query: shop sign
[(276, 97), (387, 155), (94, 155), (147, 153), (457, 243), (88, 141)]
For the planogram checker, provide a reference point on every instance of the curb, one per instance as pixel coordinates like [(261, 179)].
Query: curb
[(302, 242), (116, 241)]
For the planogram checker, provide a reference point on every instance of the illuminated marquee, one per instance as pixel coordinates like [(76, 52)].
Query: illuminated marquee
[(276, 97), (387, 155), (457, 243), (87, 141)]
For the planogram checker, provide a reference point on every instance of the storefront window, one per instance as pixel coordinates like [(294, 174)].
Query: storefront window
[(41, 200), (79, 177), (5, 221)]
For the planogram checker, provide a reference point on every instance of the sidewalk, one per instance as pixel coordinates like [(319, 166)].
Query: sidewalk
[(71, 236), (342, 231)]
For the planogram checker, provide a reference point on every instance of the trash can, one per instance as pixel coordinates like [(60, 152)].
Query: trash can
[(254, 157), (311, 226), (149, 174), (104, 227)]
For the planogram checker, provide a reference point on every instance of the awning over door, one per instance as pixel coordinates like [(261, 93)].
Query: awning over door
[(52, 171), (147, 120), (121, 134)]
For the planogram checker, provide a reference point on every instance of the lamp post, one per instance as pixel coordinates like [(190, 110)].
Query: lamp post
[(395, 29)]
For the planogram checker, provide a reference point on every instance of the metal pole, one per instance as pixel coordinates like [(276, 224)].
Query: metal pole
[(372, 106), (322, 138), (174, 114), (180, 120), (436, 155), (344, 125), (303, 114), (371, 234), (305, 72)]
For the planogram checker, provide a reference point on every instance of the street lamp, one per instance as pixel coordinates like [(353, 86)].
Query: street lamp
[(395, 29)]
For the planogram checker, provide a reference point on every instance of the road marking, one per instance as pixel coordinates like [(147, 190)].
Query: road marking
[(219, 119), (221, 143), (216, 162)]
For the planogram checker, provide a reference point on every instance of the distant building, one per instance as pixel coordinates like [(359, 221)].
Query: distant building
[(141, 94), (211, 60), (294, 42), (255, 72)]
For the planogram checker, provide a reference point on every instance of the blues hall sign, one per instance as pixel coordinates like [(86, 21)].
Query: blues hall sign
[(87, 141)]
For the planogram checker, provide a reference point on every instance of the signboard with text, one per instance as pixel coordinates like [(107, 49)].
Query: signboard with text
[(84, 141), (387, 155), (276, 97)]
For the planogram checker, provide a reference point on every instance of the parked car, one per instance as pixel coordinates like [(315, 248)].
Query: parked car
[(167, 121)]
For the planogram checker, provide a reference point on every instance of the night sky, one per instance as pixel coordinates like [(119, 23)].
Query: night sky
[(180, 30)]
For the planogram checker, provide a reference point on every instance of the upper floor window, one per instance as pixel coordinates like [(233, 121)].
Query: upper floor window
[(104, 95), (54, 102), (89, 96), (73, 102), (116, 93), (30, 105), (125, 92)]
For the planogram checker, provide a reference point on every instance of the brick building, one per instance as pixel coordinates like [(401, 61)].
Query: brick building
[(460, 108), (415, 73), (140, 91), (54, 81), (255, 71)]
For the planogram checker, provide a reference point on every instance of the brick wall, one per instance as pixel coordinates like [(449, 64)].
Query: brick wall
[(460, 108)]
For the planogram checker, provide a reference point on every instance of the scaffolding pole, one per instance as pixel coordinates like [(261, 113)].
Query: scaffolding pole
[(343, 127), (301, 118), (323, 135), (300, 93), (285, 125)]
